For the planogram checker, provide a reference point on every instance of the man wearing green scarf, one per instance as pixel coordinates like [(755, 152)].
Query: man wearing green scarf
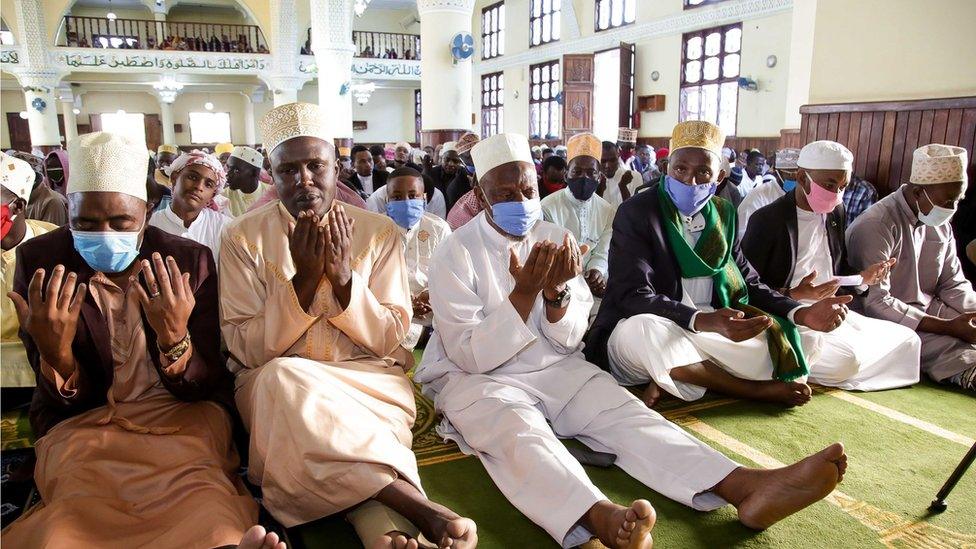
[(684, 311)]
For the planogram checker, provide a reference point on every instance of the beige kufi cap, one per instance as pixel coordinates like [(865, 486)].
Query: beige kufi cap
[(249, 155), (167, 149), (697, 134), (934, 164), (499, 149), (107, 162), (626, 135), (17, 176), (584, 144), (293, 120), (824, 155)]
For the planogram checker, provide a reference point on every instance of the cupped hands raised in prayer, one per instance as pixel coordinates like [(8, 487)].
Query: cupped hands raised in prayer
[(825, 315), (51, 316), (169, 301), (321, 250), (547, 269), (806, 289)]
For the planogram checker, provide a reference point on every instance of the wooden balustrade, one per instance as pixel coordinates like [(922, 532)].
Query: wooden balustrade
[(101, 32)]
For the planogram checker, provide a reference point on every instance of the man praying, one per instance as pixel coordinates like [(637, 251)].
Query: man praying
[(618, 182), (315, 305), (45, 203), (132, 405), (421, 233), (16, 182), (926, 290), (504, 368), (368, 178), (805, 258), (165, 155), (684, 310), (244, 185)]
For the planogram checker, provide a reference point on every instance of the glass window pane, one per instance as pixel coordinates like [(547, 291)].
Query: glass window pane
[(709, 99), (693, 72), (630, 11), (733, 40), (545, 91), (694, 49), (603, 21), (536, 31), (555, 27), (712, 43), (546, 6), (616, 13), (557, 5), (728, 107), (730, 66), (536, 8), (501, 42), (546, 29), (711, 68), (501, 81), (555, 72), (501, 17), (535, 92), (545, 73)]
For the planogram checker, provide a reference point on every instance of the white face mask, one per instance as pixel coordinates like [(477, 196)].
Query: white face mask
[(937, 215)]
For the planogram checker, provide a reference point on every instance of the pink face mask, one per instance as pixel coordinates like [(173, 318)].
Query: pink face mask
[(821, 200)]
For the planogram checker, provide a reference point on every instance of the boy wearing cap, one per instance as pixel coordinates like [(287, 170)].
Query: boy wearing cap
[(315, 306), (17, 179), (684, 310), (926, 290), (244, 185), (806, 259), (129, 374), (504, 367)]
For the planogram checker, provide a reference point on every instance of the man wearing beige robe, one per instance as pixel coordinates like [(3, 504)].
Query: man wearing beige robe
[(315, 304)]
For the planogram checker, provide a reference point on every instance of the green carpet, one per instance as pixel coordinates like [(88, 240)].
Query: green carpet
[(895, 470), (901, 444)]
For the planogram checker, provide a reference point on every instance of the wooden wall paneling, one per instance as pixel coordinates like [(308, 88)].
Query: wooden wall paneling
[(939, 124), (790, 139), (853, 132), (873, 151), (804, 125), (925, 128), (952, 127), (887, 142), (911, 142), (822, 125), (832, 122), (862, 145), (812, 128), (843, 126), (898, 149), (967, 132)]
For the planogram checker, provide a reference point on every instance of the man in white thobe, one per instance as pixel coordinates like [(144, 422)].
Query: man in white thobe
[(504, 367), (797, 244)]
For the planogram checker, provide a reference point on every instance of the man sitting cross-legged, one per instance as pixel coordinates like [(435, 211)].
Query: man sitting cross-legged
[(504, 367), (684, 311), (120, 325), (315, 306)]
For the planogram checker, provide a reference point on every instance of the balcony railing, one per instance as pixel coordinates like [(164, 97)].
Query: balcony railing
[(141, 34), (386, 45)]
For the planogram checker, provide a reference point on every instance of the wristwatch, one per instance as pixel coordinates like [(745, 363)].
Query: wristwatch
[(561, 301)]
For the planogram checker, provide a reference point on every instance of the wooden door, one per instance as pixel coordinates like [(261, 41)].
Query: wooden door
[(19, 132), (628, 107), (154, 131), (577, 72)]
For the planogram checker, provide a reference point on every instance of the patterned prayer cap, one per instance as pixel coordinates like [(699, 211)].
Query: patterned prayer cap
[(17, 176), (934, 164), (107, 162), (222, 148), (697, 134), (466, 142), (786, 159), (626, 135), (293, 120), (824, 155), (167, 149), (499, 149), (249, 155), (584, 144), (345, 151)]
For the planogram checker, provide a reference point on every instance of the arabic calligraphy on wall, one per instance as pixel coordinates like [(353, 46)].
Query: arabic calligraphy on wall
[(82, 61), (376, 69), (8, 57)]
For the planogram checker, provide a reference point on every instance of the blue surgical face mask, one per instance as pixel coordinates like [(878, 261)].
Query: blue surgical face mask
[(516, 218), (689, 199), (406, 213), (107, 251), (789, 184)]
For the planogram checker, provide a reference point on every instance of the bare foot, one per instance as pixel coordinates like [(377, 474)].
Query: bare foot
[(258, 538), (395, 540), (620, 527), (790, 393), (781, 492), (651, 394), (454, 533)]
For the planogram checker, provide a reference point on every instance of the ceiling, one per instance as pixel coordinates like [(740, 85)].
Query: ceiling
[(393, 4)]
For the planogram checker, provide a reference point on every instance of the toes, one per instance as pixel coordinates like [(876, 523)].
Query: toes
[(254, 537), (270, 540), (412, 544)]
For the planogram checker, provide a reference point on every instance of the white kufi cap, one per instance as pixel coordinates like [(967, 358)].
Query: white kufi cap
[(107, 162), (249, 155), (500, 149), (825, 155), (17, 176)]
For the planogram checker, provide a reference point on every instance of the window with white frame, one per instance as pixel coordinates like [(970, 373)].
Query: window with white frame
[(614, 13), (544, 24), (492, 103), (543, 106), (129, 124), (710, 60), (209, 127), (493, 31)]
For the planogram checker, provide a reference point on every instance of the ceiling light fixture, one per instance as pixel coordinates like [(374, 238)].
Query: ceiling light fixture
[(208, 105), (360, 7), (110, 16), (76, 110), (23, 114), (120, 112)]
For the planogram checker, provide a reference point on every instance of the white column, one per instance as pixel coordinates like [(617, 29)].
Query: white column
[(42, 111), (68, 111), (333, 49), (35, 76), (166, 120), (446, 93), (285, 79), (249, 133)]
